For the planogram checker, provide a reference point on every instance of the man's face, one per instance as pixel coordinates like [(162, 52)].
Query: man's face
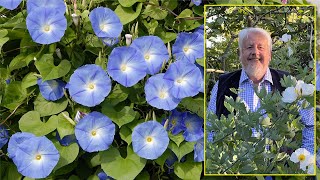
[(255, 55)]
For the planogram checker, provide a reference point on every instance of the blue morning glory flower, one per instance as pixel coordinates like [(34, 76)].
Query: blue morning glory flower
[(57, 5), (157, 93), (201, 68), (109, 41), (36, 157), (95, 132), (194, 130), (89, 85), (66, 140), (171, 159), (197, 2), (15, 140), (154, 51), (185, 81), (8, 81), (200, 30), (149, 140), (51, 90), (105, 23), (176, 122), (126, 65), (318, 76), (198, 151), (10, 4), (4, 136), (103, 176), (188, 47), (46, 25)]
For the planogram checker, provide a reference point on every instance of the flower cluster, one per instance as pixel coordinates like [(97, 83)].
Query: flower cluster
[(191, 127), (301, 89), (46, 22), (35, 157), (144, 59), (304, 158)]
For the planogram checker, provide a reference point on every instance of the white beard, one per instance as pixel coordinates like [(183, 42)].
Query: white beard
[(254, 70)]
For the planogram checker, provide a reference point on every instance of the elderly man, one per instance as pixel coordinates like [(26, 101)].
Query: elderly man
[(255, 46)]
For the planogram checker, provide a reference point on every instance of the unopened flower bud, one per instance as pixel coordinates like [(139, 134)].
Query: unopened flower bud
[(128, 39), (166, 124), (169, 49), (75, 19), (58, 52)]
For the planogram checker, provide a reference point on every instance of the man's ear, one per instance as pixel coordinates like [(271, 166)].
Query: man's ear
[(238, 51)]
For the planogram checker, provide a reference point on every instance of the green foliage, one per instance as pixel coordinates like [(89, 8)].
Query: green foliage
[(119, 167), (67, 154), (32, 123), (234, 150), (188, 170)]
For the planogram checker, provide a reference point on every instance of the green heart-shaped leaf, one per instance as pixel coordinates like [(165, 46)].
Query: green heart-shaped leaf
[(48, 70), (64, 126), (125, 134), (67, 154), (188, 170), (183, 149), (14, 95), (119, 168), (30, 122), (127, 14), (122, 117), (20, 61), (178, 139), (47, 108)]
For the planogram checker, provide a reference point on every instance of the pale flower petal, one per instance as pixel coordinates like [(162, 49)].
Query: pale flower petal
[(289, 95)]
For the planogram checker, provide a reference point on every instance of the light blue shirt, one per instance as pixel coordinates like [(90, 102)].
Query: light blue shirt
[(252, 103)]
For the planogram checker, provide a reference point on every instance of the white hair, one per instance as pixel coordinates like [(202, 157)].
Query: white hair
[(244, 33)]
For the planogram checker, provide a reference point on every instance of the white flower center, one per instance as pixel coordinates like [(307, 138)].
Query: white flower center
[(46, 28), (38, 157), (186, 49), (180, 81), (147, 57), (93, 132), (91, 86), (163, 94), (123, 67), (149, 139), (104, 27)]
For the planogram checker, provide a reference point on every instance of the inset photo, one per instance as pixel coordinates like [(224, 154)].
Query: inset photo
[(259, 89)]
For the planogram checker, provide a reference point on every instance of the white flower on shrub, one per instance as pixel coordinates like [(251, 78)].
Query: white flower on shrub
[(289, 95), (310, 169), (285, 37), (304, 89), (303, 157)]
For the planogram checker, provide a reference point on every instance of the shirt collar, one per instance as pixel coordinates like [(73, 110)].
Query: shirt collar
[(244, 77)]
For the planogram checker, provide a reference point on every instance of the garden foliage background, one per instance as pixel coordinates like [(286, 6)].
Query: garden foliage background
[(19, 92), (223, 23)]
